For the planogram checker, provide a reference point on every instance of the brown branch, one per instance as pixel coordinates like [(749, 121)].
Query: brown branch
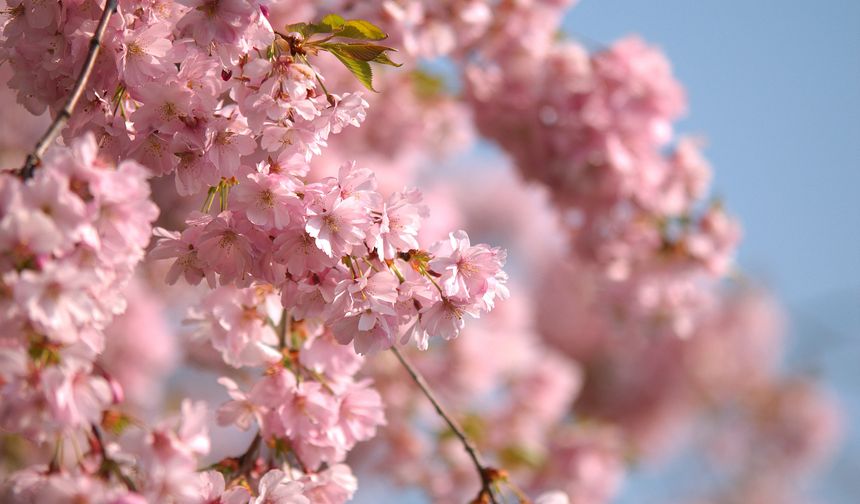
[(487, 474), (35, 157), (246, 460), (108, 465)]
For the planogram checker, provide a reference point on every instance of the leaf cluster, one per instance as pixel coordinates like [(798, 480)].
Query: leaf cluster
[(352, 41)]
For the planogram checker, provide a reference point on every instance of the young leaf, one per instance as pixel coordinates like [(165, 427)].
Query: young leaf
[(308, 29), (303, 28), (334, 21), (361, 69), (383, 59), (360, 29), (363, 52)]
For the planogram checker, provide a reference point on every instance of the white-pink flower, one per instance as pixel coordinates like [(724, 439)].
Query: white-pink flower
[(470, 272), (239, 410), (277, 488), (143, 54), (337, 224), (269, 201)]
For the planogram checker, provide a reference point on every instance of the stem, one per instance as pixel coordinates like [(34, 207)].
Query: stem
[(486, 473), (35, 157), (247, 459), (283, 330), (108, 465), (328, 95)]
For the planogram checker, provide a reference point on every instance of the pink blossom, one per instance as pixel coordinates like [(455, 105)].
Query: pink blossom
[(335, 485), (361, 412), (76, 398), (163, 107), (219, 20), (24, 235), (56, 299), (230, 141), (183, 437), (401, 220), (213, 490), (275, 488), (337, 224), (225, 247), (324, 355), (443, 318), (237, 323), (143, 53), (268, 200), (298, 250), (470, 272), (368, 332), (307, 409), (183, 247), (239, 410)]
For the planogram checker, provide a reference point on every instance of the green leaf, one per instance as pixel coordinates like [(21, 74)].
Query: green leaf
[(383, 59), (302, 28), (361, 69), (359, 51), (334, 21), (308, 29), (360, 29)]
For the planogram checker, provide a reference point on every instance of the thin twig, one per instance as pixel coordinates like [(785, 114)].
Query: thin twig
[(109, 465), (283, 329), (35, 157), (486, 473), (246, 460)]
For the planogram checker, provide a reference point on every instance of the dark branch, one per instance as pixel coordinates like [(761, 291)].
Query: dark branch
[(108, 465), (35, 157), (487, 474)]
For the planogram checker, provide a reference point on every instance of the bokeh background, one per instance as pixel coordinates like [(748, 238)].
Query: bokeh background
[(774, 89)]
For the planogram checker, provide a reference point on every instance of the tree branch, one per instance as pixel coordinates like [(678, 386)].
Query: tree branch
[(108, 465), (247, 459), (35, 157), (487, 474)]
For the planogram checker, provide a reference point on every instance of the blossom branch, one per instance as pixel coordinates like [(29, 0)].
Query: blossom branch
[(34, 158), (487, 474)]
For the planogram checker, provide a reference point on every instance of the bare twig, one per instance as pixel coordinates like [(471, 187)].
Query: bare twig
[(35, 157), (108, 465), (487, 474), (246, 460)]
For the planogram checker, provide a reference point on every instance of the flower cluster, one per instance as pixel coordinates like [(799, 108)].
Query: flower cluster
[(594, 129), (165, 466), (70, 239), (198, 88), (307, 403), (212, 93), (338, 252)]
